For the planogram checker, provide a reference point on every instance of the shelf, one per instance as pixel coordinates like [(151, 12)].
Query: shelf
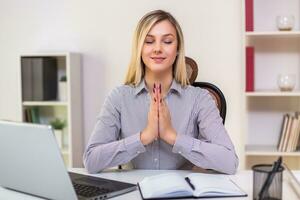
[(274, 93), (274, 34), (265, 150), (44, 103), (46, 54)]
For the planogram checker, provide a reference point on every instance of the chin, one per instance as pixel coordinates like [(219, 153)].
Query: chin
[(158, 69)]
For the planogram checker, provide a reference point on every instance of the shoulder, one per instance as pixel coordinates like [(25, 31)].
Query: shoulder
[(122, 91), (193, 91), (201, 97)]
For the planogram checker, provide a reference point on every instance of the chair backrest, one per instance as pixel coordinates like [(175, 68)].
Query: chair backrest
[(191, 69), (216, 93)]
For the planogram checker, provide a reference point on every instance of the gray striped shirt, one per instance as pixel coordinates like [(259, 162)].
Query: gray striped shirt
[(201, 137)]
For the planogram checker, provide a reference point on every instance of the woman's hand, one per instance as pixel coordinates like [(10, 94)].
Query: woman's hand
[(150, 133), (166, 130)]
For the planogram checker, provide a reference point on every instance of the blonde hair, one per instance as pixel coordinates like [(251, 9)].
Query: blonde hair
[(136, 68)]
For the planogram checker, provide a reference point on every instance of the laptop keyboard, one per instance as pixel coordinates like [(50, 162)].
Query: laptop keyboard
[(89, 191)]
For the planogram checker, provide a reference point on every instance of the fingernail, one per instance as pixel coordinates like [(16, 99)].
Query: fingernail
[(160, 88)]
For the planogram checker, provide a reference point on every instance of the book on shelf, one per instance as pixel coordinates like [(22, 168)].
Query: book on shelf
[(287, 133), (35, 115), (249, 69), (283, 130), (194, 185), (297, 137), (26, 71), (32, 115), (290, 131), (295, 133), (249, 15), (39, 78), (27, 115)]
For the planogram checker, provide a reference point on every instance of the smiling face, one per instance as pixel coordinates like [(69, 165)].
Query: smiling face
[(160, 48)]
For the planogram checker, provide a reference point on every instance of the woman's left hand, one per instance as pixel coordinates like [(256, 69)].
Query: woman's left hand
[(166, 130)]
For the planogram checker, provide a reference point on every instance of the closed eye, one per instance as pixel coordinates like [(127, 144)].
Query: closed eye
[(148, 42), (168, 42)]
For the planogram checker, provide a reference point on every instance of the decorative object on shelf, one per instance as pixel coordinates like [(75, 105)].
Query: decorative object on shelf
[(58, 125), (285, 22), (62, 89), (286, 82)]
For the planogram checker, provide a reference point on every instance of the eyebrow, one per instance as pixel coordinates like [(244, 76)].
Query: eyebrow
[(165, 35)]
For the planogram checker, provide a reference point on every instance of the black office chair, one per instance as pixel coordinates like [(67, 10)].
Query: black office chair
[(216, 93)]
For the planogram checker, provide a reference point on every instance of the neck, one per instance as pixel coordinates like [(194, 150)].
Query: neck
[(159, 78)]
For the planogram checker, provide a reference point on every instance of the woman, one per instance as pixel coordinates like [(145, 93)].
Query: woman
[(156, 119)]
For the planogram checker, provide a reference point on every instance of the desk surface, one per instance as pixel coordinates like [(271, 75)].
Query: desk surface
[(242, 178)]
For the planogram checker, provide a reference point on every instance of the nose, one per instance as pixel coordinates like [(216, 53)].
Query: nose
[(157, 48)]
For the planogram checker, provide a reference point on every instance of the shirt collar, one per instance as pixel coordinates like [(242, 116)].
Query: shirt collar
[(175, 86), (140, 87)]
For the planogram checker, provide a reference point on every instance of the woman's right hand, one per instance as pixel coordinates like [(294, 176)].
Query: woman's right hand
[(150, 133)]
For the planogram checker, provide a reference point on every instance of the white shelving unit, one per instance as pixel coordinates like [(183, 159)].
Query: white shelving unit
[(70, 110), (276, 52)]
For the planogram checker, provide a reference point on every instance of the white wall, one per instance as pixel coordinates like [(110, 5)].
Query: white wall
[(102, 32)]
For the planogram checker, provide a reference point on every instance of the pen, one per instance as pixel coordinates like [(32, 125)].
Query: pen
[(269, 179), (189, 182)]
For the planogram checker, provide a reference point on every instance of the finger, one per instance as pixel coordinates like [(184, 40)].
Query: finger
[(159, 93), (153, 96), (157, 96), (158, 115)]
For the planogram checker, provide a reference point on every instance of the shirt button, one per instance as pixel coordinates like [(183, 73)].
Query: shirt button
[(179, 152), (138, 152), (155, 159)]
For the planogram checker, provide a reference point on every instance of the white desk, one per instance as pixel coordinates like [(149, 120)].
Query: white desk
[(242, 178)]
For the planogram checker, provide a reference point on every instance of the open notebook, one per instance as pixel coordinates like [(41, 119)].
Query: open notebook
[(197, 185)]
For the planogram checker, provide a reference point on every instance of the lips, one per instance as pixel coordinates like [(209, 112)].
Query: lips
[(158, 59)]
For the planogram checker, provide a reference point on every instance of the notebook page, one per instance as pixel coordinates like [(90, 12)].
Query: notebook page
[(213, 185), (165, 185)]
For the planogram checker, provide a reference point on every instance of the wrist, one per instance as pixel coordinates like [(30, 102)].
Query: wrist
[(144, 139), (171, 137)]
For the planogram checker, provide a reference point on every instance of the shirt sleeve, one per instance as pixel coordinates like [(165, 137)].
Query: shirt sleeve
[(104, 148), (213, 148)]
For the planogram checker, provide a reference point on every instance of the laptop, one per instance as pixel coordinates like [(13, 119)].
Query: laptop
[(31, 163)]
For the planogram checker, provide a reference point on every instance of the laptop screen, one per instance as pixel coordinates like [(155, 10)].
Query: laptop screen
[(31, 162)]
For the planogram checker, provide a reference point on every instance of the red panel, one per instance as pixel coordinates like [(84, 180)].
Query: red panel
[(249, 69)]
